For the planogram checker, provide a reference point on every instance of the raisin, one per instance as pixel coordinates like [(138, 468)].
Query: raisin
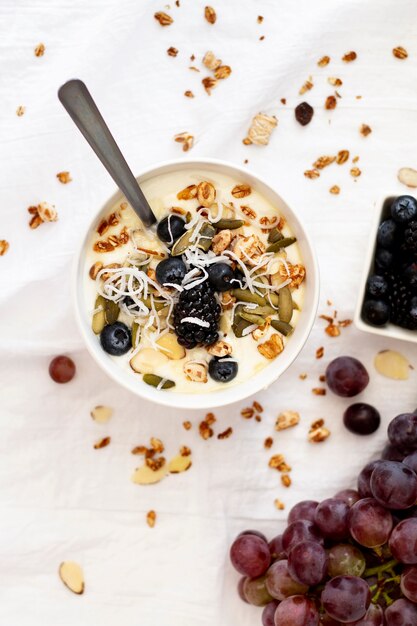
[(304, 113)]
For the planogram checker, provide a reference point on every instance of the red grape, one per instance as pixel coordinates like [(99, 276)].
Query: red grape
[(240, 591), (401, 613), (255, 591), (411, 461), (391, 453), (403, 541), (250, 555), (374, 616), (280, 583), (370, 524), (350, 496), (346, 598), (268, 613), (62, 369), (331, 519), (409, 583), (303, 510), (276, 549), (361, 418), (253, 532), (394, 485), (296, 611), (302, 530), (364, 479), (346, 560), (402, 431), (346, 376), (307, 562)]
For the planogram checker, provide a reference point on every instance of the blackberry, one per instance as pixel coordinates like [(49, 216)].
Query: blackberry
[(410, 237), (199, 302), (400, 301)]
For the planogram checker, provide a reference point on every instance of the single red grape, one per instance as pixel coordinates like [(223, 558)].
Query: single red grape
[(346, 376), (62, 369)]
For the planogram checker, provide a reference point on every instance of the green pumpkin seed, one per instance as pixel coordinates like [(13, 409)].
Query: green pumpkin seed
[(182, 243), (282, 327), (188, 217), (275, 235), (246, 296), (135, 330), (111, 311), (273, 298), (154, 381), (99, 319), (206, 233), (252, 318), (157, 305), (263, 311), (282, 243), (239, 325), (285, 305), (229, 224)]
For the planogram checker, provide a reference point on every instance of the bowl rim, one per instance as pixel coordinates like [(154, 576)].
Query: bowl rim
[(211, 399), (389, 330)]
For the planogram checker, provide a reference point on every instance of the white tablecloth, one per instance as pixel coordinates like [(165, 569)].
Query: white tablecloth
[(61, 499)]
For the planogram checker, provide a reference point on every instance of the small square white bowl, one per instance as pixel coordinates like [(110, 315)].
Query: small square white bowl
[(389, 330)]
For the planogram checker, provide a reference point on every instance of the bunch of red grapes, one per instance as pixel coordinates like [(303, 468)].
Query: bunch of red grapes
[(350, 559)]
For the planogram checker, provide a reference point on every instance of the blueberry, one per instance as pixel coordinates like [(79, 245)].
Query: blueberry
[(377, 286), (170, 270), (404, 209), (223, 370), (170, 228), (115, 339), (376, 312), (383, 259), (220, 275), (387, 234)]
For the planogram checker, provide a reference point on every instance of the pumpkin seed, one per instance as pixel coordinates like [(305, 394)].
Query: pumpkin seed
[(229, 224), (188, 217), (111, 311), (261, 310), (275, 235), (154, 381), (135, 334), (252, 318), (206, 233), (285, 305), (99, 319), (273, 297), (282, 243), (246, 296), (282, 327), (239, 325), (182, 243), (157, 305)]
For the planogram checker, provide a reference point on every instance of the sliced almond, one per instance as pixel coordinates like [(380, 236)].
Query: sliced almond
[(407, 176), (392, 364), (170, 347), (179, 463), (147, 360), (72, 576), (101, 414), (144, 475)]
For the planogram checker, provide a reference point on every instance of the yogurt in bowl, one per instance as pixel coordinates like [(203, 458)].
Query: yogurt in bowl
[(210, 305)]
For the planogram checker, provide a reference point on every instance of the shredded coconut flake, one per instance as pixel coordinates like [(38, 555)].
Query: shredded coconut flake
[(249, 329), (197, 321)]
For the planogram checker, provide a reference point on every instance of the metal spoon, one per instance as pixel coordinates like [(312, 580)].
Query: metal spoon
[(81, 107)]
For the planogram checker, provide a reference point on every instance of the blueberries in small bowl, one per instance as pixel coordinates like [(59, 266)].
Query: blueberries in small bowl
[(170, 271), (223, 370), (220, 275), (404, 209), (170, 228), (387, 234), (116, 339), (377, 286), (376, 312)]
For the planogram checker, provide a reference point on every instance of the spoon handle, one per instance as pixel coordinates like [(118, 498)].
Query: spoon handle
[(81, 107)]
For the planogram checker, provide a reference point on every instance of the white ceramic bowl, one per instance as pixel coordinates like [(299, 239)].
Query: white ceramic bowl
[(382, 212), (269, 373)]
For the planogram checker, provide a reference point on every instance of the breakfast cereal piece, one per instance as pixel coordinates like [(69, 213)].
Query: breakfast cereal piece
[(400, 53), (102, 443), (279, 504), (334, 81), (330, 103), (319, 352), (261, 129), (151, 518), (365, 130), (323, 61), (241, 191), (306, 86), (355, 172), (206, 194), (287, 419), (349, 57), (187, 425), (318, 432), (220, 349), (261, 331), (20, 110), (222, 72), (323, 161), (268, 443), (163, 18), (189, 193), (172, 52), (4, 246), (64, 177), (226, 433), (221, 241), (196, 371), (286, 480), (209, 83), (296, 272), (248, 249), (210, 15), (39, 50), (272, 348), (186, 139), (210, 61), (311, 174), (335, 190)]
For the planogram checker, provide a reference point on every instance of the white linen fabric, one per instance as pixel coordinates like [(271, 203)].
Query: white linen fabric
[(61, 499)]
